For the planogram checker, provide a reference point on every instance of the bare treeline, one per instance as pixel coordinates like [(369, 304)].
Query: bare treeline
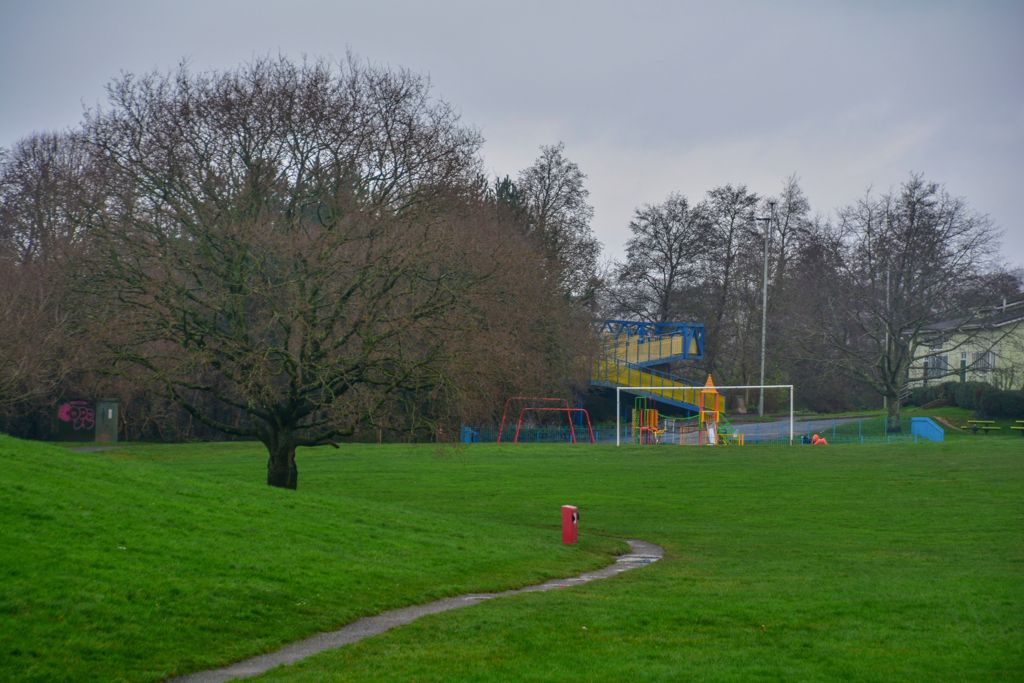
[(850, 300), (295, 253), (303, 253)]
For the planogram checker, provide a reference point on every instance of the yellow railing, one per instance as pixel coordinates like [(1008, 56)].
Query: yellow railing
[(649, 349), (617, 373)]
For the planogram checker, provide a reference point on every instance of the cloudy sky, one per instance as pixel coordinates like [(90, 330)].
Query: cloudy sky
[(649, 97)]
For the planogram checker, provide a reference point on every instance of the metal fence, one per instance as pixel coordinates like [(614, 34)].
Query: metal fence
[(835, 431)]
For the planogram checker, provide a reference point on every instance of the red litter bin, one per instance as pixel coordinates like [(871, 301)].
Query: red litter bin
[(570, 524)]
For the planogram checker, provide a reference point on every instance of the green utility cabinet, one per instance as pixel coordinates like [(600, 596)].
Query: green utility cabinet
[(106, 420)]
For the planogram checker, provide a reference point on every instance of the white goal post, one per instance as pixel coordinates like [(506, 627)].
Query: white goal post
[(652, 392)]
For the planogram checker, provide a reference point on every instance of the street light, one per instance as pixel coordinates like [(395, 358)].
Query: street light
[(764, 299)]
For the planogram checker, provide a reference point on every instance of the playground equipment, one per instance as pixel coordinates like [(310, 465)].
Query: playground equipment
[(561, 406), (560, 402), (714, 428), (631, 351), (646, 421), (568, 411), (679, 430), (709, 422), (710, 411)]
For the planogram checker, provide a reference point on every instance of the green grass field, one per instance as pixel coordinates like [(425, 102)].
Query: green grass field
[(900, 562)]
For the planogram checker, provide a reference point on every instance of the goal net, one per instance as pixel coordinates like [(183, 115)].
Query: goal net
[(705, 415)]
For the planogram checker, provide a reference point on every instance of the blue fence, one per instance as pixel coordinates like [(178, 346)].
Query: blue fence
[(836, 431)]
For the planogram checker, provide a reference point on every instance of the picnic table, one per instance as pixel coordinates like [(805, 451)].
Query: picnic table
[(1018, 425), (983, 426)]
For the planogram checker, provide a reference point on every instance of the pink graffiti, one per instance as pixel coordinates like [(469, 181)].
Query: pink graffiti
[(78, 413)]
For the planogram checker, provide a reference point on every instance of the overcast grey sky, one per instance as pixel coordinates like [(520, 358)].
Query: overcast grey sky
[(649, 97)]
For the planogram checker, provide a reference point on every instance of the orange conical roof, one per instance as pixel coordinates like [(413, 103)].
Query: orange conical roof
[(709, 387)]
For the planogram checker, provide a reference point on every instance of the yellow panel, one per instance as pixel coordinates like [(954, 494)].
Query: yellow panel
[(647, 349), (617, 373)]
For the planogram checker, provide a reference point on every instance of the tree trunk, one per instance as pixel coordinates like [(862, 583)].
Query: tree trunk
[(892, 419), (281, 469)]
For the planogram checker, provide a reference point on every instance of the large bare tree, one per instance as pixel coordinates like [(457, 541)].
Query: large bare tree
[(294, 241), (557, 216), (662, 260), (907, 257), (730, 213)]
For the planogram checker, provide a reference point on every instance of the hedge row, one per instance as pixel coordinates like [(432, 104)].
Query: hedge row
[(987, 401), (963, 394), (1002, 404)]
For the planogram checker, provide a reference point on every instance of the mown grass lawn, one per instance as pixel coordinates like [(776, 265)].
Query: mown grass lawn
[(144, 562), (901, 562)]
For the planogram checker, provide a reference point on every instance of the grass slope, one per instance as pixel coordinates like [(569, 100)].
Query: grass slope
[(145, 562), (856, 562), (879, 563)]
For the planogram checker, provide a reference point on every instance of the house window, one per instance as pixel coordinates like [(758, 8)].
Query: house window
[(984, 361), (937, 366)]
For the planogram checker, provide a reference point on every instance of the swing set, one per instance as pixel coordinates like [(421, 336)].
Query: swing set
[(543, 404)]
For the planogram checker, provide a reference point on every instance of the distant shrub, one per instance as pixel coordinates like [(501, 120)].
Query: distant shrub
[(1002, 404), (969, 394), (917, 397), (931, 393), (963, 394)]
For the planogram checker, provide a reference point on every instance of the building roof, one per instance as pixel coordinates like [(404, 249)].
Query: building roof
[(1008, 312)]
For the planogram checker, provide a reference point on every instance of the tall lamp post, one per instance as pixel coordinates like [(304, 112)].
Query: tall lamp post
[(764, 300)]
